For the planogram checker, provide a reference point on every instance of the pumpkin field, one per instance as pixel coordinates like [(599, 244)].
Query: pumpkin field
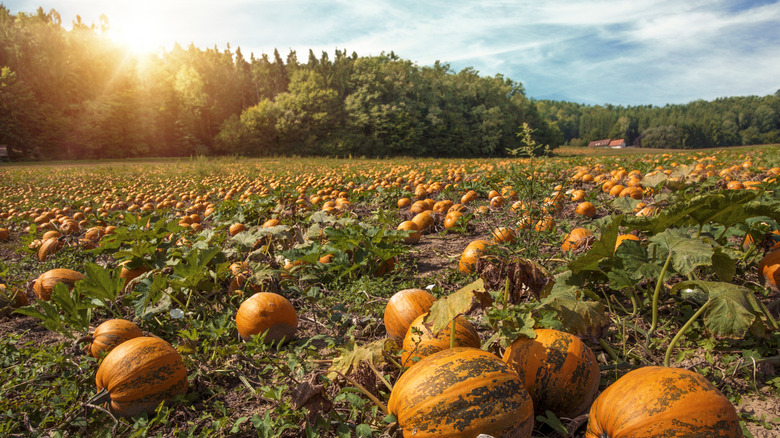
[(587, 294)]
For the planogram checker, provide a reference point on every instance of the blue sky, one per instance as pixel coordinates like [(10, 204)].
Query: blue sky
[(633, 52)]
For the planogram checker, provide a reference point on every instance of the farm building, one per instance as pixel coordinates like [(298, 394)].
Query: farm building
[(615, 144)]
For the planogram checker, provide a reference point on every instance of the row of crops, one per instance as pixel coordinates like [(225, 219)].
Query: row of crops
[(572, 296)]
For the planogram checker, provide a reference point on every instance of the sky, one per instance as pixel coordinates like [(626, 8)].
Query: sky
[(595, 52)]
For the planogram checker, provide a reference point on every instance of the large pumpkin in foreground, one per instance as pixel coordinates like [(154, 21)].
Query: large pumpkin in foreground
[(461, 393), (267, 312), (559, 371), (403, 307), (661, 402), (769, 270), (139, 374)]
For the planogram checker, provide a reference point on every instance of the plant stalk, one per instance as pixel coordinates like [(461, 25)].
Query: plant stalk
[(656, 295), (682, 331)]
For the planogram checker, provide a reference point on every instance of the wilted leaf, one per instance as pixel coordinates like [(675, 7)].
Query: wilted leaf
[(312, 396), (352, 354), (522, 275), (457, 303)]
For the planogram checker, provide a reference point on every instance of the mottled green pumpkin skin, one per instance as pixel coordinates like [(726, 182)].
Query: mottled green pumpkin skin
[(661, 402), (461, 393), (141, 373), (558, 370)]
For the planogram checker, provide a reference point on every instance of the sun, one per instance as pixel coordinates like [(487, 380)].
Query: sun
[(139, 32)]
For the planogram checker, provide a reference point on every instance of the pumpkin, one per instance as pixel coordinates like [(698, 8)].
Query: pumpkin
[(47, 248), (575, 239), (586, 209), (503, 235), (656, 402), (236, 228), (557, 369), (414, 236), (139, 374), (442, 207), (44, 284), (267, 312), (420, 341), (623, 237), (769, 270), (403, 308), (4, 234), (423, 220), (111, 333), (472, 253), (271, 223), (12, 296), (451, 219), (131, 274), (461, 393)]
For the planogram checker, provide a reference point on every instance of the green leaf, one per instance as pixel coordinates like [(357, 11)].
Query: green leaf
[(577, 315), (730, 313), (625, 204), (724, 265), (687, 253), (603, 249), (726, 207), (457, 303), (100, 284)]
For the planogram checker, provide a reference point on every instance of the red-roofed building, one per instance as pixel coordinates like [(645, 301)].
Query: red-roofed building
[(599, 143), (618, 143)]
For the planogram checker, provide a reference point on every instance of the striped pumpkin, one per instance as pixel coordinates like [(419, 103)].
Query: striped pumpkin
[(138, 375), (661, 402), (461, 393), (43, 286), (558, 370)]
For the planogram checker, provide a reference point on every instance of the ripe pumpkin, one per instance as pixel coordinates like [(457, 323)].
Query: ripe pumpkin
[(557, 369), (267, 312), (138, 375), (623, 237), (423, 220), (661, 402), (44, 284), (111, 333), (47, 248), (12, 296), (460, 393), (4, 234), (769, 270), (420, 341), (131, 274), (472, 253), (575, 239), (403, 308), (236, 228), (586, 209), (414, 236), (503, 235), (451, 219)]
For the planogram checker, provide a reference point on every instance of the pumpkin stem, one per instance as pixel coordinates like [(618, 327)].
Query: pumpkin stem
[(100, 398)]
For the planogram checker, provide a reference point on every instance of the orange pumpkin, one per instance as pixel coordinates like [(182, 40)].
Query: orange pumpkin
[(559, 371), (44, 284), (414, 236), (623, 237), (236, 228), (586, 209), (12, 296), (420, 341), (575, 239), (111, 333), (47, 248), (451, 219), (423, 220), (267, 312), (139, 374), (661, 402), (461, 393), (503, 235), (4, 234), (472, 253), (769, 270), (403, 308)]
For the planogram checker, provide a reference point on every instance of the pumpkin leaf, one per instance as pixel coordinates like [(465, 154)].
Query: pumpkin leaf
[(352, 354), (576, 314), (726, 207), (100, 284), (724, 265), (625, 204), (731, 311), (603, 248), (457, 303), (687, 253)]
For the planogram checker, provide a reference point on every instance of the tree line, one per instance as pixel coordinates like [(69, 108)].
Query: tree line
[(73, 94)]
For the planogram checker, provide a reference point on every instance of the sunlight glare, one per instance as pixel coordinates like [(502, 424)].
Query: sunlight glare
[(139, 30)]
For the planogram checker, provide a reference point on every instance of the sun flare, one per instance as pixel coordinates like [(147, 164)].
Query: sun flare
[(138, 31)]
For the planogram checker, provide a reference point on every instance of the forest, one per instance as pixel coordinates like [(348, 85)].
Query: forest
[(75, 94)]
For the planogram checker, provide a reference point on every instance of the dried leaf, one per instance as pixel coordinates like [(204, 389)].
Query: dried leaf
[(308, 394), (457, 303), (352, 354)]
